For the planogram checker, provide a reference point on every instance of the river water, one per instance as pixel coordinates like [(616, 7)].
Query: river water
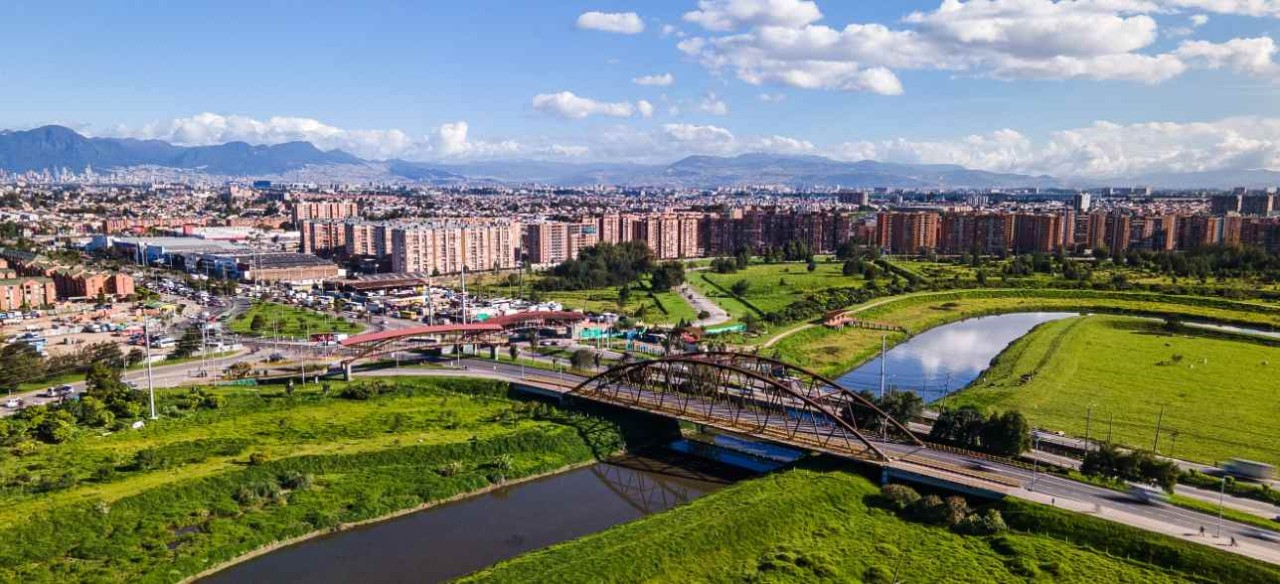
[(948, 357), (458, 538)]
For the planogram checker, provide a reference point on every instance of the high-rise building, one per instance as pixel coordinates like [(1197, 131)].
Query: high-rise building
[(907, 232), (1257, 204), (448, 247), (1036, 233), (304, 210), (1223, 204), (325, 238)]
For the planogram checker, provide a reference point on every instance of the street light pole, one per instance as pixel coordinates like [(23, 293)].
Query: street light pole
[(1088, 420), (1222, 493), (1035, 463), (151, 386)]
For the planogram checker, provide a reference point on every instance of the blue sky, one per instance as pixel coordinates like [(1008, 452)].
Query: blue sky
[(1000, 84)]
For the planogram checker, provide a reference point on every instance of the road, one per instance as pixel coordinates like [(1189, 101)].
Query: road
[(1039, 487), (701, 303)]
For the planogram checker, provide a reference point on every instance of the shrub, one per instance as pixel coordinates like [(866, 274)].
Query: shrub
[(900, 497), (257, 459)]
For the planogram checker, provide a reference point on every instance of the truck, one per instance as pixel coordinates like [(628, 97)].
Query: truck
[(1249, 469)]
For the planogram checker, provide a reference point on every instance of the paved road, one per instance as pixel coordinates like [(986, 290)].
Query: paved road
[(1039, 487), (700, 303)]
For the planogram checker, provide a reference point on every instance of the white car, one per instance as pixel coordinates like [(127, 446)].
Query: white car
[(13, 403)]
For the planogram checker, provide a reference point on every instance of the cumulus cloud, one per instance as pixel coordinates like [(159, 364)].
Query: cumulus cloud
[(1100, 150), (207, 129), (724, 15), (645, 108), (1251, 56), (662, 80), (571, 107), (779, 42), (712, 104), (1241, 7), (616, 22), (452, 142)]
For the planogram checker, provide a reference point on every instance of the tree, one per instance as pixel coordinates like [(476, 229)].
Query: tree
[(666, 276), (811, 265), (624, 294), (961, 427), (850, 268), (257, 323), (902, 405), (20, 363), (1007, 434), (513, 350), (740, 287), (582, 359), (189, 343)]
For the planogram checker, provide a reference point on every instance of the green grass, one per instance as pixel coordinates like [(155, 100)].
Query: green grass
[(81, 510), (808, 526), (1218, 393), (290, 321), (1228, 513), (775, 286), (834, 352)]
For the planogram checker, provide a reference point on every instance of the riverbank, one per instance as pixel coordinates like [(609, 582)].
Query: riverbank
[(818, 524), (203, 487), (264, 550), (833, 352), (1209, 394)]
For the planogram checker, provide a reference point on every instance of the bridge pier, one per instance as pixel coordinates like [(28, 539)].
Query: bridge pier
[(346, 371)]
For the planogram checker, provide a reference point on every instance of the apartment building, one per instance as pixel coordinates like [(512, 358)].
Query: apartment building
[(329, 210), (25, 293), (325, 238), (446, 248)]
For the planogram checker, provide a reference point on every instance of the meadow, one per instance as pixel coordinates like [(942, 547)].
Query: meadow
[(289, 321), (1217, 392), (829, 526), (773, 286), (833, 352), (197, 488)]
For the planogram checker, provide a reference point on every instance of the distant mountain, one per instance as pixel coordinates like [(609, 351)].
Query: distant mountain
[(804, 171), (52, 147)]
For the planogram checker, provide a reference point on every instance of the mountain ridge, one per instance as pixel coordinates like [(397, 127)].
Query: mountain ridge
[(51, 147)]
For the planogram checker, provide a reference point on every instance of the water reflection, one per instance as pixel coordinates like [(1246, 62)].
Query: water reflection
[(458, 538), (947, 357)]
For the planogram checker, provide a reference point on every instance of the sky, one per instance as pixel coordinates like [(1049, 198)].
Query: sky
[(1072, 88)]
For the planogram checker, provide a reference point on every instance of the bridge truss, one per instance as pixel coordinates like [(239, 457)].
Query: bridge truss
[(754, 396)]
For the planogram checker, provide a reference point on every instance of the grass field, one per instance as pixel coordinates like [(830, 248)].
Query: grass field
[(1227, 512), (809, 526), (200, 487), (606, 300), (774, 286), (1219, 395), (290, 321), (833, 352)]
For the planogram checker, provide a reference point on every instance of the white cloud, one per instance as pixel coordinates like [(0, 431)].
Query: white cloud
[(569, 106), (712, 104), (724, 15), (661, 80), (616, 22), (1252, 56), (772, 97), (1199, 20), (670, 30), (208, 129), (645, 108), (1101, 150), (708, 137), (1241, 7), (452, 142), (1002, 39)]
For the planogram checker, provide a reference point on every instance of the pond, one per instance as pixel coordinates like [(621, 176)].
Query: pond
[(454, 539), (948, 357)]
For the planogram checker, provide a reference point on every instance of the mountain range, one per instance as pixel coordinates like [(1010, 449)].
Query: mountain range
[(53, 147)]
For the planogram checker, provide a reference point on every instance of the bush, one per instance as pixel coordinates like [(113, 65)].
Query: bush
[(900, 497), (257, 459), (988, 522)]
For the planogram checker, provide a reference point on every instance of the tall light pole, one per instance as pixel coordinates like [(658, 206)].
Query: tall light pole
[(1088, 419), (1035, 462), (884, 342), (151, 386)]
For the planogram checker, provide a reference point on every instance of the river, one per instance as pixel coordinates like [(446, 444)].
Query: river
[(454, 539), (948, 357)]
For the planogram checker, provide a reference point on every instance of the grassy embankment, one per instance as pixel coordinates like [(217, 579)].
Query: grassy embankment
[(809, 526), (668, 308), (290, 321), (201, 487), (772, 287), (833, 352), (1218, 392)]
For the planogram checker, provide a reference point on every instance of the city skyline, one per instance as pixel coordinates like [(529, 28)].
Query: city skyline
[(1092, 88)]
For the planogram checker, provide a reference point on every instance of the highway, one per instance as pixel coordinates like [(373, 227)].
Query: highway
[(1042, 487)]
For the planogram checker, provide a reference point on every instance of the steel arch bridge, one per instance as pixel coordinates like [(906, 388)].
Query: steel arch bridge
[(754, 396)]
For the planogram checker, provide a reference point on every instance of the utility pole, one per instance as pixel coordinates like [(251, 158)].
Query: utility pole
[(884, 343), (1159, 420), (1222, 494), (946, 390), (151, 386), (1088, 421)]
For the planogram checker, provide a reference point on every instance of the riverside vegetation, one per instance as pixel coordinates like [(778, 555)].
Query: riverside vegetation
[(224, 472), (823, 525)]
